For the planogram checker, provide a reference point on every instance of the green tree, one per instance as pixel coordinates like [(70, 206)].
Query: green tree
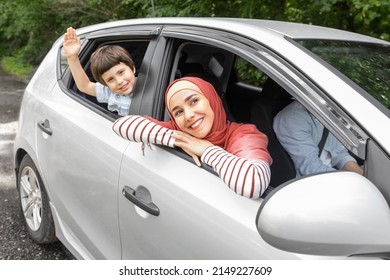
[(28, 28), (370, 17)]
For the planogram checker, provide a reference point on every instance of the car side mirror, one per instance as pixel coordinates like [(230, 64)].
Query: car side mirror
[(330, 214)]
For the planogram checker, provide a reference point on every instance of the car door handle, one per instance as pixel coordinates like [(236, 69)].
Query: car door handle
[(45, 127), (141, 199)]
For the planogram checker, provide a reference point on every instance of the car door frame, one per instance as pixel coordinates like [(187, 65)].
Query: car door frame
[(287, 76)]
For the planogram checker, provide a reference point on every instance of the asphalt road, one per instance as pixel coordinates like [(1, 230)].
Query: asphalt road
[(14, 241)]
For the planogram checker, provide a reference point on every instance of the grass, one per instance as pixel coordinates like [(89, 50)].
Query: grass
[(12, 66)]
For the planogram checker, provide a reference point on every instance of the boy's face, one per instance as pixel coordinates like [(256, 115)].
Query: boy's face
[(120, 79)]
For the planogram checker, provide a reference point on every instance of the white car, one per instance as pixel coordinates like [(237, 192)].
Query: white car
[(105, 198)]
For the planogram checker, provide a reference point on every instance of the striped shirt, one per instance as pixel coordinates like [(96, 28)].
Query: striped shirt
[(248, 178)]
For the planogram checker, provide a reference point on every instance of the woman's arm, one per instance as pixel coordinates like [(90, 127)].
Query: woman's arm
[(246, 177), (249, 178), (140, 129)]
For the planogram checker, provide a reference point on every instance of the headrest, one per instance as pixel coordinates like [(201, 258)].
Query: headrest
[(273, 90)]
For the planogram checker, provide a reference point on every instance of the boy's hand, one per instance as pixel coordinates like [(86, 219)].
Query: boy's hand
[(71, 43)]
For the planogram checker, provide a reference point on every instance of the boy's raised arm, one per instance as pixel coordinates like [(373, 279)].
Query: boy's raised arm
[(72, 49)]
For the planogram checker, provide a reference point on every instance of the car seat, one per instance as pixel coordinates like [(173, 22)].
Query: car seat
[(273, 98)]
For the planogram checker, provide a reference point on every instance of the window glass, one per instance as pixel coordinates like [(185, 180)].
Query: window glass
[(63, 61), (368, 65)]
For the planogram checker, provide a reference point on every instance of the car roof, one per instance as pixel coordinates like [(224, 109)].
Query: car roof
[(247, 27)]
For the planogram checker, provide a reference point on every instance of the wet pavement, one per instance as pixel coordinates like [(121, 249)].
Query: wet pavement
[(14, 241)]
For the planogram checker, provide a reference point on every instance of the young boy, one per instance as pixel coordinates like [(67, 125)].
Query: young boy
[(111, 66)]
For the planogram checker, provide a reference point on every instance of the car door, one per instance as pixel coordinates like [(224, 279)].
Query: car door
[(80, 162), (81, 159), (198, 216), (170, 208)]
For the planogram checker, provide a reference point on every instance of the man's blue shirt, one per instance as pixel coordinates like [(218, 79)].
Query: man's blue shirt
[(299, 132)]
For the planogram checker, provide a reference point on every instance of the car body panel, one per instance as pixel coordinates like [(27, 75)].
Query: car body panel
[(87, 202), (37, 90), (193, 205)]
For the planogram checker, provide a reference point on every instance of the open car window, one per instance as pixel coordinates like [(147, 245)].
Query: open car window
[(248, 94), (136, 48)]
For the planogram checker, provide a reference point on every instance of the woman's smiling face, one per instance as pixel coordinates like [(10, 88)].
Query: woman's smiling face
[(192, 112)]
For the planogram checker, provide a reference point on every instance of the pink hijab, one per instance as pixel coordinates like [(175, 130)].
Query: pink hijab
[(242, 140)]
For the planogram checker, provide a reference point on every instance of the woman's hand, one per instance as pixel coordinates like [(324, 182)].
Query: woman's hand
[(191, 145), (71, 43)]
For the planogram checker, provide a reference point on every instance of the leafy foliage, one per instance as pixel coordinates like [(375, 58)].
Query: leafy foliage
[(366, 65), (28, 28)]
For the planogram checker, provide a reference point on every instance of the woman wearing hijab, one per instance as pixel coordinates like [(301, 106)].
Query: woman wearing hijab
[(236, 152)]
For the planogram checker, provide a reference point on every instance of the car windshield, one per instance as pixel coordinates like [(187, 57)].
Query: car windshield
[(368, 65)]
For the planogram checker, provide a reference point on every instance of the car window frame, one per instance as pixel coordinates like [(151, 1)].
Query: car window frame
[(89, 42), (286, 75)]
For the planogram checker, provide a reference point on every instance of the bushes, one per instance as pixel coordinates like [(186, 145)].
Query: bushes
[(28, 28), (16, 67)]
